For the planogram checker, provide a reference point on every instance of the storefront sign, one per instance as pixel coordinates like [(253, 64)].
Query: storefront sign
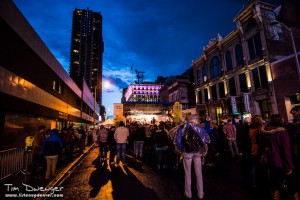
[(62, 115), (246, 102), (233, 103)]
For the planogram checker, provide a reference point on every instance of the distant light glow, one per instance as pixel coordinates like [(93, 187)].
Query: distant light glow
[(106, 84)]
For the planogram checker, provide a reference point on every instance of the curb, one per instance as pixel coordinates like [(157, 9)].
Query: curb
[(66, 172)]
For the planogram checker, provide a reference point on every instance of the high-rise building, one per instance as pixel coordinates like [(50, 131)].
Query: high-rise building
[(87, 49)]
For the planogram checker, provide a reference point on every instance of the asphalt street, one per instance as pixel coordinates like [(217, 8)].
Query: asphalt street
[(138, 180)]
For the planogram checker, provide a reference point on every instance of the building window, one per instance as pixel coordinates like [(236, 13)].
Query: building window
[(58, 87), (260, 80), (232, 88), (254, 46), (252, 24), (215, 67), (295, 99), (205, 95), (228, 61), (258, 45), (221, 90), (243, 83), (204, 74), (214, 93), (239, 57), (198, 76), (266, 109), (200, 97)]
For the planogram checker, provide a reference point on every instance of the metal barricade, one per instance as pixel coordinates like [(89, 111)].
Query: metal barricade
[(11, 162)]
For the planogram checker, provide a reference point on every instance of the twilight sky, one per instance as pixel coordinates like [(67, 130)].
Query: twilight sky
[(158, 37)]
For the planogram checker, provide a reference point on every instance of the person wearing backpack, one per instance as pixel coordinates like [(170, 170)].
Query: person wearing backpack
[(191, 141)]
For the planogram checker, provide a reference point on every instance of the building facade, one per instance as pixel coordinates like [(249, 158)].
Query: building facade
[(179, 89), (143, 93), (87, 47), (239, 74), (34, 88)]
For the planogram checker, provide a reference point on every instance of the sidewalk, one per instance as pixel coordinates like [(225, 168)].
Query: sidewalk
[(20, 184)]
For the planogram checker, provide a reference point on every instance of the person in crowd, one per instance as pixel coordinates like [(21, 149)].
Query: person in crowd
[(216, 139), (82, 139), (102, 141), (37, 157), (276, 152), (230, 134), (138, 141), (160, 138), (52, 148), (121, 137), (222, 140), (255, 135), (112, 145), (211, 146), (69, 144), (148, 140), (90, 137), (192, 155), (294, 130), (245, 148)]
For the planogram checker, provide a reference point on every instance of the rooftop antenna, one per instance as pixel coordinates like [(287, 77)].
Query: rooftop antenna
[(131, 73), (140, 76)]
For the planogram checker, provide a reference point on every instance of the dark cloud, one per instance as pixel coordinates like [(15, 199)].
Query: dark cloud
[(159, 37)]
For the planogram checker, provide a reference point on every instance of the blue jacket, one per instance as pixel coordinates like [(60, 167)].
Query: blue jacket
[(52, 145)]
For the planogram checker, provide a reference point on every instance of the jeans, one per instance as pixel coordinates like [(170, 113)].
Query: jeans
[(161, 157), (51, 166), (103, 149), (188, 159), (233, 147), (138, 148), (121, 151)]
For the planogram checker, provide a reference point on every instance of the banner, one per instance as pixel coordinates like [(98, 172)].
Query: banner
[(233, 103), (177, 110), (118, 113), (246, 102)]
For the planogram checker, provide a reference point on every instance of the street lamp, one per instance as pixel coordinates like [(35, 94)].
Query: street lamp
[(293, 43)]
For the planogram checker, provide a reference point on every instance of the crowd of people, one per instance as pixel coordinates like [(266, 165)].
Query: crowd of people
[(268, 152), (51, 146)]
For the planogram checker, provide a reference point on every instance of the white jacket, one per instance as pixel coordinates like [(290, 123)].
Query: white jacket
[(121, 134)]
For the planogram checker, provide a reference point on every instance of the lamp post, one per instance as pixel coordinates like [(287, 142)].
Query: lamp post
[(293, 43)]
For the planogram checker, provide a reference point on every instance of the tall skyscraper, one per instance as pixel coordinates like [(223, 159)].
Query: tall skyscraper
[(87, 49)]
